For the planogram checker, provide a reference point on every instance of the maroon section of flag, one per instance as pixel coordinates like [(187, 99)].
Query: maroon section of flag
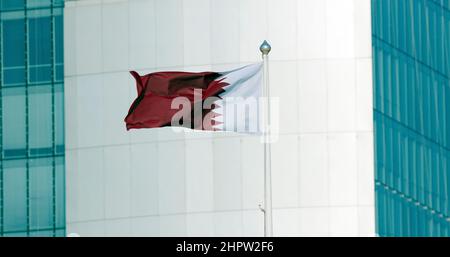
[(152, 107)]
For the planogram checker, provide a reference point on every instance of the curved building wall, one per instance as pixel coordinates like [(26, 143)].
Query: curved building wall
[(156, 182)]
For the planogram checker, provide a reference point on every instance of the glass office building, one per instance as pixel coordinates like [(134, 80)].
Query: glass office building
[(411, 53), (31, 118)]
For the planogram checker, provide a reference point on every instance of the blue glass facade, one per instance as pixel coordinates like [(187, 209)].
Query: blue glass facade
[(32, 200), (411, 56)]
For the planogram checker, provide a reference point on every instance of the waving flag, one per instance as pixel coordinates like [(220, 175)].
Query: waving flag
[(224, 101)]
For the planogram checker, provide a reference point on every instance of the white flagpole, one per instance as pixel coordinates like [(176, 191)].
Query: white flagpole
[(268, 227)]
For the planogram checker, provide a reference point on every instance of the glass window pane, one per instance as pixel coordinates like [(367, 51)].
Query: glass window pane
[(12, 4), (58, 3), (60, 233), (59, 115), (13, 39), (59, 72), (15, 196), (38, 3), (13, 43), (41, 73), (14, 76), (41, 193), (40, 40), (14, 118), (16, 234), (59, 37), (40, 117), (40, 48), (42, 233), (60, 193)]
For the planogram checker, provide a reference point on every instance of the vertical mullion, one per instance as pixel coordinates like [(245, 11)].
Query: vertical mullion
[(52, 56), (1, 128), (27, 122)]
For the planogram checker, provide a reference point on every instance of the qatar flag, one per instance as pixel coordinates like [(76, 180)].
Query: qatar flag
[(216, 101)]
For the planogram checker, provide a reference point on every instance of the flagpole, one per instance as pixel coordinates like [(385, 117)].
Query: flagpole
[(268, 227)]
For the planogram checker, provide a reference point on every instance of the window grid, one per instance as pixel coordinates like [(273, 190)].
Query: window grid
[(1, 127), (52, 57), (27, 121), (411, 116), (44, 202)]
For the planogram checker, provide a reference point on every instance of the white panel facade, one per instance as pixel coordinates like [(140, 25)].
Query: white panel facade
[(156, 182)]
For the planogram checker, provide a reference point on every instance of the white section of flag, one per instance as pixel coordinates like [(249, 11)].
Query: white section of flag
[(239, 107)]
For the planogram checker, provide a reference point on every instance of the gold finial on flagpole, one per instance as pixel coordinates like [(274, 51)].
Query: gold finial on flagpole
[(265, 48)]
